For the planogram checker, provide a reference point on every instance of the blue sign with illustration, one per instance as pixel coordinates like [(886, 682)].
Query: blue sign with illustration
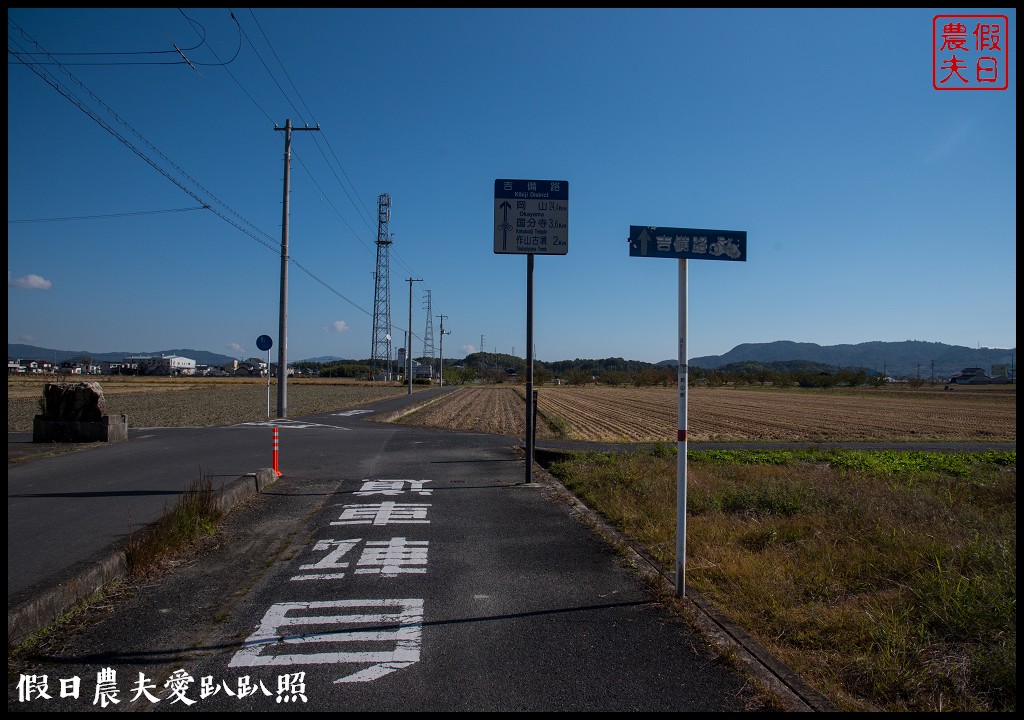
[(687, 243)]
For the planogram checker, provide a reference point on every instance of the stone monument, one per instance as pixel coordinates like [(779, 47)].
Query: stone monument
[(74, 412)]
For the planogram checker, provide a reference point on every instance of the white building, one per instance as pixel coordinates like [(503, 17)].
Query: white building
[(167, 365)]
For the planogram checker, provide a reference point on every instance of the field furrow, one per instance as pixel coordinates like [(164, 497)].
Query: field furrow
[(588, 413), (497, 410), (606, 414)]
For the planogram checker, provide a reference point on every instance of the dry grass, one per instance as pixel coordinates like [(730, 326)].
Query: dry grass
[(195, 516), (201, 402), (887, 580)]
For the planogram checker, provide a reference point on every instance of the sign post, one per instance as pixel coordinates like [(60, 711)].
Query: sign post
[(684, 244), (531, 217), (264, 342)]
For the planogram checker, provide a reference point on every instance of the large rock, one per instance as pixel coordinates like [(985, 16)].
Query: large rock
[(75, 413), (81, 402)]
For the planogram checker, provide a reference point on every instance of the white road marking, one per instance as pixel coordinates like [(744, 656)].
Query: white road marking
[(275, 633), (290, 424), (385, 513), (392, 487)]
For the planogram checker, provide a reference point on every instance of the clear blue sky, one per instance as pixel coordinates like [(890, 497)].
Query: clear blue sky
[(876, 207)]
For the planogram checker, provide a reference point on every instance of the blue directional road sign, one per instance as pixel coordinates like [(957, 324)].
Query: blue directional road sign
[(531, 217), (687, 243)]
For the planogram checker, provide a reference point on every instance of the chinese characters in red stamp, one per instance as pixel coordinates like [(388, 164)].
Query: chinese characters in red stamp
[(970, 52)]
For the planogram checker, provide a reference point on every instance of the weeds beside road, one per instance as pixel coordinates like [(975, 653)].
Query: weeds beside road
[(886, 579)]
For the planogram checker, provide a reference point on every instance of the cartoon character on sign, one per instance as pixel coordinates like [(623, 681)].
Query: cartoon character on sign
[(723, 246)]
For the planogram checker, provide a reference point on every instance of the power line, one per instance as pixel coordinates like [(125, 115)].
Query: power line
[(81, 105), (27, 57), (275, 247), (111, 215), (316, 139), (378, 305), (269, 72), (364, 217), (269, 242)]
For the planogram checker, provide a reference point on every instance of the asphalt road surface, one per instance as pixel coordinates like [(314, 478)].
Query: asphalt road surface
[(390, 568)]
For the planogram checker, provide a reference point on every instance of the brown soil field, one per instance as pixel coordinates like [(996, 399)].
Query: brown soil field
[(587, 413), (200, 402), (608, 414), (490, 409)]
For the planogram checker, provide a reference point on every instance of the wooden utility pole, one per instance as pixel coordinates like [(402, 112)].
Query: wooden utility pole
[(282, 339), (443, 333), (408, 346)]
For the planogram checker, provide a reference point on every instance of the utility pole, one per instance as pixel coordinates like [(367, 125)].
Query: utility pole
[(443, 333), (408, 345), (282, 340)]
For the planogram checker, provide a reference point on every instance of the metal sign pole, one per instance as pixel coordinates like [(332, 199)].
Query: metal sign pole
[(529, 368), (684, 244), (531, 217), (264, 342), (683, 377)]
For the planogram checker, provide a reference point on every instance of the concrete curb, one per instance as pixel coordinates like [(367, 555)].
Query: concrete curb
[(46, 605), (757, 661), (389, 417)]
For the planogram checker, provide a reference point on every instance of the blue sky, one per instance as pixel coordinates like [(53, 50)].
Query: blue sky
[(876, 207)]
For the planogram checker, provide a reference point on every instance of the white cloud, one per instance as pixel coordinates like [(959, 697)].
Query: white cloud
[(238, 349), (468, 349), (29, 282), (340, 326), (27, 338)]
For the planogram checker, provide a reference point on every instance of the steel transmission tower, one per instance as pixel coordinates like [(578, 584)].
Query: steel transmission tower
[(428, 335), (380, 353)]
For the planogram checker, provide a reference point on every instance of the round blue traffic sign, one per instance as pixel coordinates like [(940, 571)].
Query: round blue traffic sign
[(264, 342)]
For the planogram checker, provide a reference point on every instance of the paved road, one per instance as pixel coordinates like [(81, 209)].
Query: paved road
[(65, 512), (396, 568)]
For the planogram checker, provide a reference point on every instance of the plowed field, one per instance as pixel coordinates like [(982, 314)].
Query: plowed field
[(499, 410), (606, 414)]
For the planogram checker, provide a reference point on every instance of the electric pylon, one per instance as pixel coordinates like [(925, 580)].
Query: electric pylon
[(380, 353), (428, 335)]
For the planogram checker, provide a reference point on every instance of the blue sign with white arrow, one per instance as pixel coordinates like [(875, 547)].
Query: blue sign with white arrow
[(687, 243)]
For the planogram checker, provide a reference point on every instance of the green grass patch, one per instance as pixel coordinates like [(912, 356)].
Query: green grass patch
[(887, 579)]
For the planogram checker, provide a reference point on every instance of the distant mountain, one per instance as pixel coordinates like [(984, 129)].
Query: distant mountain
[(31, 352), (787, 366), (911, 358)]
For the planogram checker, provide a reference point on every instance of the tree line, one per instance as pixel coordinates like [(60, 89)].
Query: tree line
[(497, 368)]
